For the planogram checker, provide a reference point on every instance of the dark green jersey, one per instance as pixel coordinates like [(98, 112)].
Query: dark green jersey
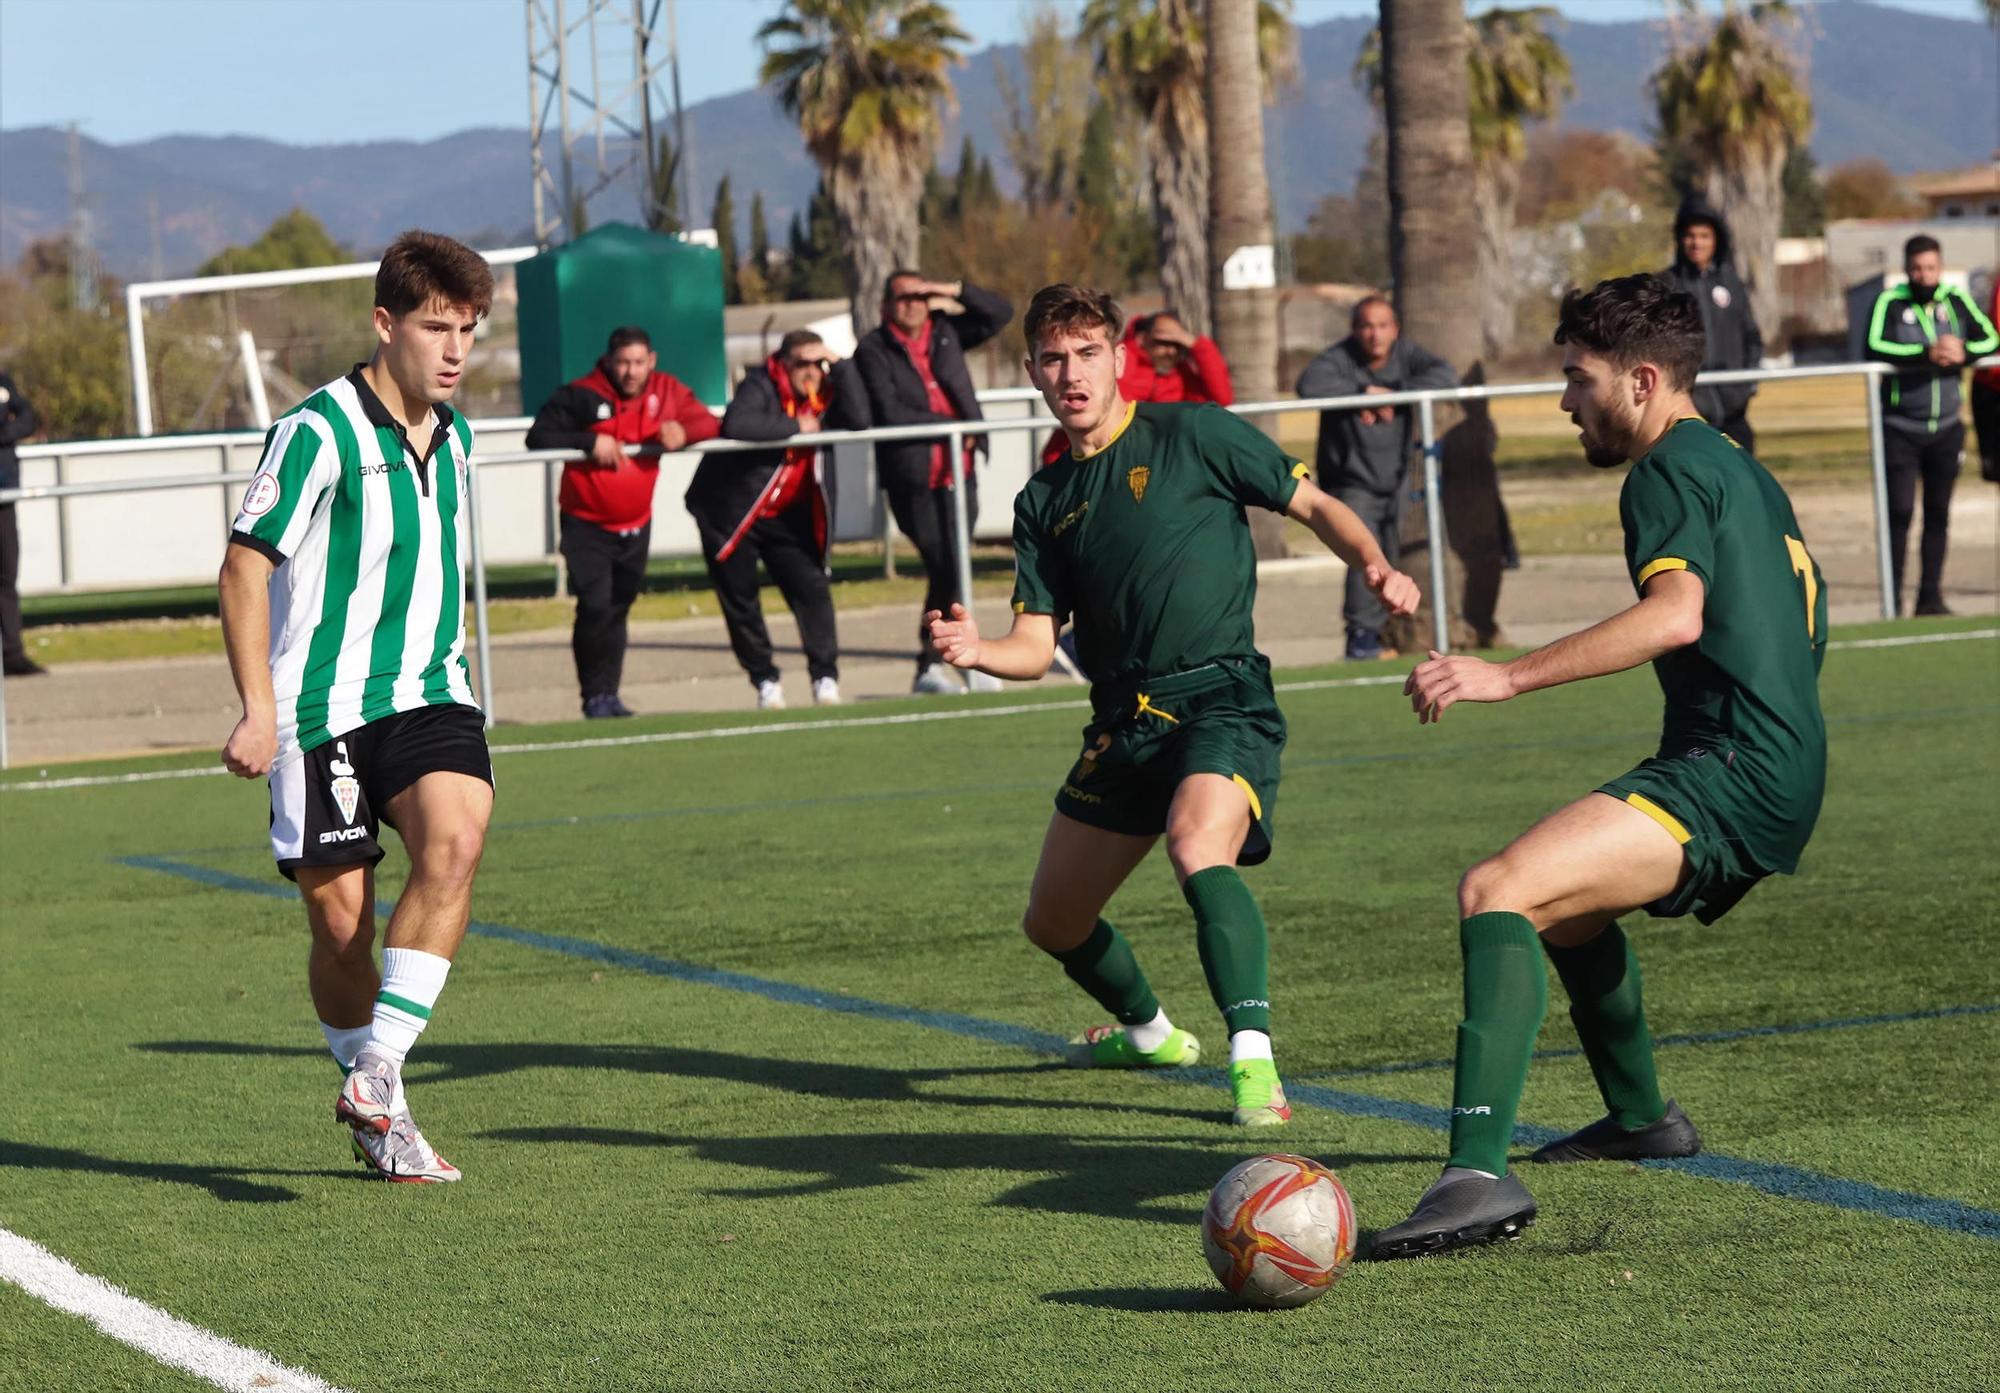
[(1749, 687), (1145, 543)]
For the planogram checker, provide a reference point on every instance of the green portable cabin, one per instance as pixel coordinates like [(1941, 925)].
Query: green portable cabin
[(573, 296)]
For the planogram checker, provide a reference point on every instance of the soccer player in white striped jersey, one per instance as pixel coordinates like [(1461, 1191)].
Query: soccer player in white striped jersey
[(343, 607)]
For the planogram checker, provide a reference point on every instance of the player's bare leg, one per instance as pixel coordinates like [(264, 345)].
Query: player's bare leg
[(1207, 824), (340, 965), (442, 819), (1568, 877), (1081, 867)]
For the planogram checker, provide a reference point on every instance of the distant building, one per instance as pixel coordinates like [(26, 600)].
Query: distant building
[(1967, 193)]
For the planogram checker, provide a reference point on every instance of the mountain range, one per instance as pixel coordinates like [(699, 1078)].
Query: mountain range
[(1914, 91)]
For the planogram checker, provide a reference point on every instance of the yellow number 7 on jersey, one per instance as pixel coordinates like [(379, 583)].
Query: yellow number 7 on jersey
[(1802, 563)]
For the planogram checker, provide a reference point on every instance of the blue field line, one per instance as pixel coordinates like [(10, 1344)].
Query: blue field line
[(1700, 1037), (1788, 1182)]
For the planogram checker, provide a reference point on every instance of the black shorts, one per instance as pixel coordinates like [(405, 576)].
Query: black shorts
[(327, 806)]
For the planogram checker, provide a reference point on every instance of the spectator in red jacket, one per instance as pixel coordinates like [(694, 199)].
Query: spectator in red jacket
[(1164, 362), (607, 497)]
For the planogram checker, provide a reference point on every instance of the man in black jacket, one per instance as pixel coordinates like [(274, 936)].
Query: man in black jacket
[(1704, 269), (913, 365), (17, 422), (777, 505), (1363, 455)]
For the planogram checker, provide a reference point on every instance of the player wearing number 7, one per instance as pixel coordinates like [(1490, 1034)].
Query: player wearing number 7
[(1732, 616)]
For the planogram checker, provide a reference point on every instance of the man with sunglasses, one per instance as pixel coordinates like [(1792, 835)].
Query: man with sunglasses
[(777, 505), (914, 368)]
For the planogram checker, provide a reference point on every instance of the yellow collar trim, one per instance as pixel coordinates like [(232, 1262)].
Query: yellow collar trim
[(1131, 410)]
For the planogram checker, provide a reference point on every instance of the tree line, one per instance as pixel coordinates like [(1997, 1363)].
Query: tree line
[(1106, 131)]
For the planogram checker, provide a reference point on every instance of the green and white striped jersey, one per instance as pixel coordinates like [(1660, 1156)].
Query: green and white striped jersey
[(369, 539)]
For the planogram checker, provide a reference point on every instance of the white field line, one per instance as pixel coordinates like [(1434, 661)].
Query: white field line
[(670, 737), (151, 1331)]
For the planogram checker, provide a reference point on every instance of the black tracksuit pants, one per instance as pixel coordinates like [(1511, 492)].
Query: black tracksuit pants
[(924, 515), (786, 546), (1933, 461), (606, 571), (11, 645)]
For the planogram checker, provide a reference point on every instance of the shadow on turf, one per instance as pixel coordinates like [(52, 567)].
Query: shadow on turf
[(1156, 1300), (224, 1182), (1152, 1179), (862, 1083)]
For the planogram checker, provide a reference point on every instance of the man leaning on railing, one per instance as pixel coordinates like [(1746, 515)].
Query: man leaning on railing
[(1363, 455)]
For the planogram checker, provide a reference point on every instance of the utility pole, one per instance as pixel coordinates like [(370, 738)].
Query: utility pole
[(82, 260), (594, 72)]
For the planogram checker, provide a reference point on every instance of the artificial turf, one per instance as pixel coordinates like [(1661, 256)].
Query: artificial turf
[(855, 1165)]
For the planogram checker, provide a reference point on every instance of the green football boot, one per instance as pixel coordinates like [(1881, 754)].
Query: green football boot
[(1260, 1098), (1109, 1047)]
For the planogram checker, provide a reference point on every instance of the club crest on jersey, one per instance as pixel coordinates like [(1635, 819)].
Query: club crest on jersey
[(1719, 294), (345, 787), (1135, 479)]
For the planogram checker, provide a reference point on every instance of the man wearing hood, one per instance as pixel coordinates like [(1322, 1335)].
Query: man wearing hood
[(775, 505), (1704, 267), (1929, 331)]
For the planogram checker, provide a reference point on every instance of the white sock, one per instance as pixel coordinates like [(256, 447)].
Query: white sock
[(411, 982), (1150, 1035), (1249, 1044), (345, 1041)]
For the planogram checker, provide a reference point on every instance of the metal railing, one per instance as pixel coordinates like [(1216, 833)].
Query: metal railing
[(954, 434)]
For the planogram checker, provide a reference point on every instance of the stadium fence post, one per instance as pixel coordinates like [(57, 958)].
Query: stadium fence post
[(961, 524), (1878, 475), (479, 624), (1434, 525)]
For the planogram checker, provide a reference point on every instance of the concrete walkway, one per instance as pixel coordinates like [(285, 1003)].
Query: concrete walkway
[(98, 710)]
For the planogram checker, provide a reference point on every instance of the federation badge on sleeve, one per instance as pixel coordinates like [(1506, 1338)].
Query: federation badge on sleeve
[(262, 497)]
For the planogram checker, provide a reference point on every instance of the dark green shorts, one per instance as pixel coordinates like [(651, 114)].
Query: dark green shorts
[(1221, 718), (1735, 823)]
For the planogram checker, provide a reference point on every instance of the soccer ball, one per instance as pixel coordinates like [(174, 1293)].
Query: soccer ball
[(1278, 1230)]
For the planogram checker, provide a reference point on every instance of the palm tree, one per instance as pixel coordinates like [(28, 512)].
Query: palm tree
[(1515, 73), (1154, 55), (1731, 101), (865, 79), (1246, 319), (1431, 223)]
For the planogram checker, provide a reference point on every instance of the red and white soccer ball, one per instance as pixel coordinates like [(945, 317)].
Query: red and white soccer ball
[(1278, 1230)]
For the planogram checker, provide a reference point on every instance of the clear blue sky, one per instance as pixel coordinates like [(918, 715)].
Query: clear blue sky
[(312, 71)]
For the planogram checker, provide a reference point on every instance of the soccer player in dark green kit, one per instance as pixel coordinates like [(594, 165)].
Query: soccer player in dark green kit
[(1139, 534), (1732, 615)]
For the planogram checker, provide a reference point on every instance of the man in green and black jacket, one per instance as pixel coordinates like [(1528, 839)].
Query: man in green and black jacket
[(1929, 331)]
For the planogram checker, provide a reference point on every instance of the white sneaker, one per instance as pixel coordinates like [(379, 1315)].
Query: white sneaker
[(826, 692), (401, 1153), (935, 679), (983, 682), (770, 696)]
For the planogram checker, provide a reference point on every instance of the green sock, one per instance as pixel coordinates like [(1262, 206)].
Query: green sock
[(1103, 965), (1602, 978), (1235, 947), (1506, 995)]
